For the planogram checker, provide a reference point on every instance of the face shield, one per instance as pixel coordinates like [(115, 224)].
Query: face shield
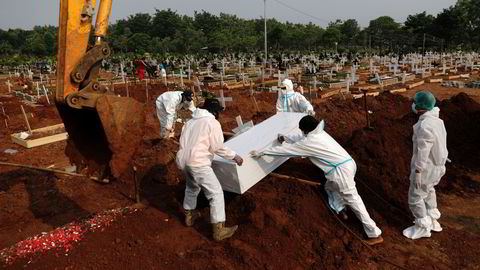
[(414, 109)]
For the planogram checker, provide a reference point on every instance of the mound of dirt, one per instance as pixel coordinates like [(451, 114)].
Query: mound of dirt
[(285, 224), (383, 155)]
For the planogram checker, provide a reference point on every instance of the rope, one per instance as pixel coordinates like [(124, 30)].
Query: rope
[(385, 201), (381, 198), (44, 169), (360, 239)]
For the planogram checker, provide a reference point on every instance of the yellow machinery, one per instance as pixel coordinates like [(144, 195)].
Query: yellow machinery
[(104, 129)]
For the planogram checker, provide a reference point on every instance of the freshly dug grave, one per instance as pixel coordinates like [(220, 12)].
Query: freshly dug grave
[(286, 225)]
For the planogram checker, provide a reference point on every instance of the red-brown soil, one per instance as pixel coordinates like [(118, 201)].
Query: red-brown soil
[(283, 224)]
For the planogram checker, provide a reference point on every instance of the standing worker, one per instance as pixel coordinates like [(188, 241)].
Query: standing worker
[(201, 138), (141, 65), (163, 74), (427, 166), (291, 101), (335, 162), (167, 105)]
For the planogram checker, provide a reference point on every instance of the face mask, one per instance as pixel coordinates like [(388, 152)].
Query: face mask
[(414, 110)]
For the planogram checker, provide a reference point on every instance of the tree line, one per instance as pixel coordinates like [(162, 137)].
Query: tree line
[(167, 32)]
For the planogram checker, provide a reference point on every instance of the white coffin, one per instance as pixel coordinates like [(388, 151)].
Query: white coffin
[(239, 179)]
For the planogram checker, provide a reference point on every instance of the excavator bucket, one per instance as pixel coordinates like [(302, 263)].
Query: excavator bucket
[(102, 142), (123, 120), (104, 130)]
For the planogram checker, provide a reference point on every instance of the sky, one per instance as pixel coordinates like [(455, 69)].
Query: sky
[(27, 13)]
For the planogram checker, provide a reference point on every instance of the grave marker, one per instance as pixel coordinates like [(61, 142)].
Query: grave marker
[(241, 127)]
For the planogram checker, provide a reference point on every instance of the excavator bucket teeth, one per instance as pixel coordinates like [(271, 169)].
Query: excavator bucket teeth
[(102, 142), (123, 120)]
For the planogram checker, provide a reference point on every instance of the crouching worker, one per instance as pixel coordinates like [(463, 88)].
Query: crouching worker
[(335, 162), (427, 166), (167, 105), (201, 138)]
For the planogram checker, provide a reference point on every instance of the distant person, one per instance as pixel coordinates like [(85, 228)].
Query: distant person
[(201, 139), (427, 166), (140, 68), (163, 74), (291, 101), (167, 105), (196, 83), (338, 166)]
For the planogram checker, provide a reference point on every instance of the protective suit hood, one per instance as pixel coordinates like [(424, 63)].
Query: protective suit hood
[(201, 113), (319, 129), (289, 85), (435, 112)]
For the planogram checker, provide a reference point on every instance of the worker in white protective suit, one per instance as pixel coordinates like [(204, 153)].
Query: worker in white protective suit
[(201, 139), (335, 162), (291, 101), (427, 166), (167, 105)]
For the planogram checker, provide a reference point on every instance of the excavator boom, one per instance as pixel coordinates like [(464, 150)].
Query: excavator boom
[(104, 129)]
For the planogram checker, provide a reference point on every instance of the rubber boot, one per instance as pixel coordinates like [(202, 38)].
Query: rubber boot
[(221, 232), (374, 241), (436, 227), (190, 217)]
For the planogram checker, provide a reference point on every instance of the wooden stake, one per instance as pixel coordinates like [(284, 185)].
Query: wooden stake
[(286, 177), (146, 89), (46, 96), (44, 169), (26, 119), (222, 98), (253, 96), (126, 86), (3, 110)]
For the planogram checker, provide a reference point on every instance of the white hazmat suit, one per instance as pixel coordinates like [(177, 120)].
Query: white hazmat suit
[(167, 105), (201, 138), (429, 157), (291, 101), (339, 169)]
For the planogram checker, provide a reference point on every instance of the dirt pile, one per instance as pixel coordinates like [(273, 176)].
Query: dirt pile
[(283, 224), (383, 155)]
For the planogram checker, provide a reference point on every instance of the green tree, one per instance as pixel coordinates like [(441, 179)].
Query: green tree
[(139, 43), (449, 25), (470, 13), (166, 23), (332, 35), (140, 23), (384, 32), (5, 48), (349, 30)]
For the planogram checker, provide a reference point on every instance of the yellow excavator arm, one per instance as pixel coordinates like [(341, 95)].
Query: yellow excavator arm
[(77, 68), (104, 129)]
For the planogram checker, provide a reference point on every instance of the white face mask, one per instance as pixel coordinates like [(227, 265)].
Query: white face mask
[(414, 110)]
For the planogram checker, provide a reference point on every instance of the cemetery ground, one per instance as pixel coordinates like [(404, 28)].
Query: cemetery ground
[(56, 221)]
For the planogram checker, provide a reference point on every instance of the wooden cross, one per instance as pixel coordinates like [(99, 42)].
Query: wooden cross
[(241, 127)]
